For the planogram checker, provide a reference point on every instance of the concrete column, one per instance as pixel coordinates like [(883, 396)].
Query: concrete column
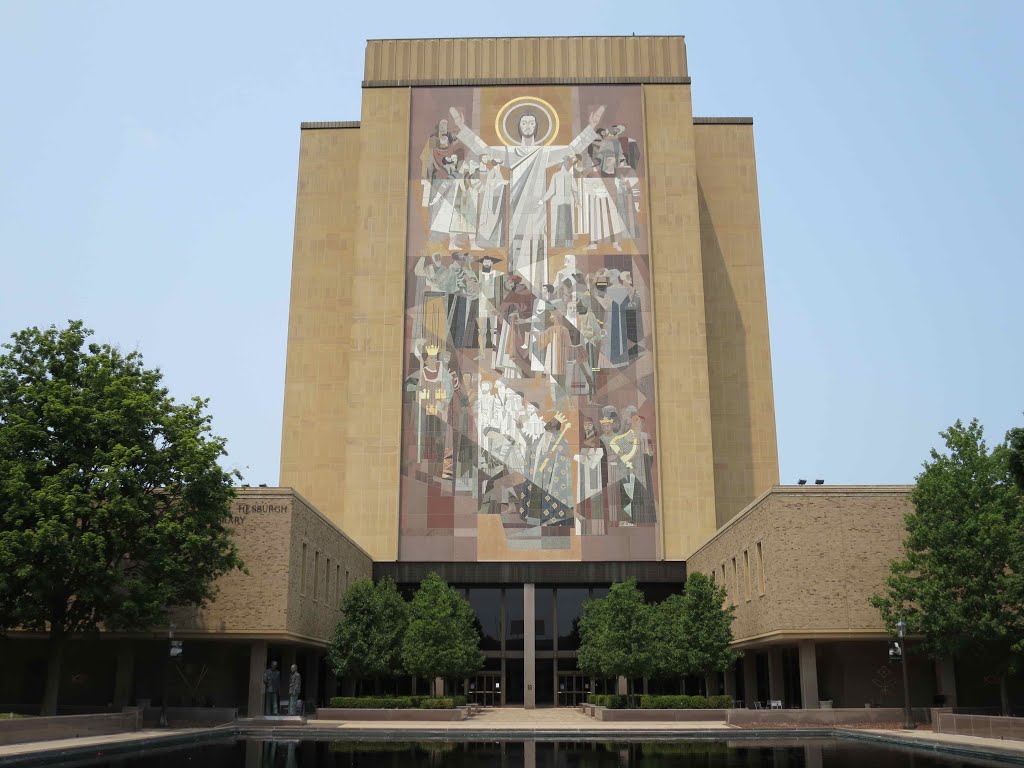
[(331, 683), (529, 648), (253, 753), (812, 755), (749, 678), (776, 688), (311, 678), (621, 686), (711, 684), (257, 664), (730, 682), (124, 677), (808, 674), (530, 754), (945, 680)]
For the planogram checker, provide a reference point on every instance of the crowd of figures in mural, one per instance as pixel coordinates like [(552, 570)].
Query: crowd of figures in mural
[(529, 382)]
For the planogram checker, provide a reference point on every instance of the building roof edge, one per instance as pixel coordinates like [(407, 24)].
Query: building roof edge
[(314, 126)]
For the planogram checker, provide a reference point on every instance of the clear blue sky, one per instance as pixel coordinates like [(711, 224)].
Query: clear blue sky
[(148, 158)]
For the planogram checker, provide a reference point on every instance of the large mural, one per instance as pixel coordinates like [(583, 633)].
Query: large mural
[(529, 427)]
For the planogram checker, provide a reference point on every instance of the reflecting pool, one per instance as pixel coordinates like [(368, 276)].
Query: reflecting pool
[(740, 753)]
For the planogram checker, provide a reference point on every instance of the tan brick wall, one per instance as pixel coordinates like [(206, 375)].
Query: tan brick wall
[(519, 58), (687, 507), (271, 524), (332, 562), (255, 603), (826, 551), (320, 319), (735, 306)]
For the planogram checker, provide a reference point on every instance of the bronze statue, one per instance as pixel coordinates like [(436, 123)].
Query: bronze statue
[(294, 689), (271, 689)]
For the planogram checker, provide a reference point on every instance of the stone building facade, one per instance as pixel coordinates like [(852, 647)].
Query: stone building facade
[(528, 349)]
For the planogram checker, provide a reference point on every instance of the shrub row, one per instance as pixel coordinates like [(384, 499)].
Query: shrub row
[(612, 701), (685, 702), (609, 700), (398, 702)]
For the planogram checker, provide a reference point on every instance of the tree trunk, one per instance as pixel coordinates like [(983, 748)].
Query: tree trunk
[(1004, 696), (54, 659)]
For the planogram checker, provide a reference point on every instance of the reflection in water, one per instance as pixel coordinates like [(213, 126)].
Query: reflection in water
[(819, 753)]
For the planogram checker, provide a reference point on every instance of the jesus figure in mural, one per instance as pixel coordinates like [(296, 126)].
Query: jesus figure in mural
[(528, 162)]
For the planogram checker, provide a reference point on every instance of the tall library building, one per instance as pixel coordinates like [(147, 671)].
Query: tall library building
[(528, 350)]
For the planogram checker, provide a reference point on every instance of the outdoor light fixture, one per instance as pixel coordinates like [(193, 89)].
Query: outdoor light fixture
[(901, 632), (801, 481), (162, 723)]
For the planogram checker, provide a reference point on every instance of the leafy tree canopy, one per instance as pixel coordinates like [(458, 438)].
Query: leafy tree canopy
[(1015, 458), (617, 634), (113, 507), (367, 641), (960, 583), (706, 626), (441, 639)]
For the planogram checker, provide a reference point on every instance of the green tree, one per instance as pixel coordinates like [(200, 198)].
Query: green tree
[(707, 626), (113, 507), (367, 642), (1015, 459), (960, 583), (671, 646), (441, 639), (617, 636)]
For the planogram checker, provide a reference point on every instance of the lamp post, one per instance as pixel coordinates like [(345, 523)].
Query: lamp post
[(167, 674), (901, 631)]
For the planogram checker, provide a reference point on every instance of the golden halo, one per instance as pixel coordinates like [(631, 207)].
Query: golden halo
[(506, 123)]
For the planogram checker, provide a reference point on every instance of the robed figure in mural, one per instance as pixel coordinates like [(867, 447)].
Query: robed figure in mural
[(546, 496), (528, 163)]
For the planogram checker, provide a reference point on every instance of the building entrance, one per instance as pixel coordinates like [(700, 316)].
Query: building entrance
[(573, 688), (544, 682), (485, 689), (514, 682)]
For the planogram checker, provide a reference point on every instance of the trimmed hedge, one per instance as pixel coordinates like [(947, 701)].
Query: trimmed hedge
[(398, 702), (613, 701), (609, 700), (685, 702)]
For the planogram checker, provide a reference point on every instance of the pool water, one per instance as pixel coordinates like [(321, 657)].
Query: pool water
[(807, 753)]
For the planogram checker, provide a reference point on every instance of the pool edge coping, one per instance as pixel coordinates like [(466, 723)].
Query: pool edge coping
[(232, 731)]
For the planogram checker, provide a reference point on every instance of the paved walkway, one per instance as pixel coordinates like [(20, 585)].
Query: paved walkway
[(517, 720), (96, 742)]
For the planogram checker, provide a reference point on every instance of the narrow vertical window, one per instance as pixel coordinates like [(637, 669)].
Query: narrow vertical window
[(746, 574), (316, 575), (714, 578), (735, 580), (327, 582), (302, 577), (760, 569), (341, 593)]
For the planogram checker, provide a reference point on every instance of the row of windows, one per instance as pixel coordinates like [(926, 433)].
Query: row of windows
[(322, 593), (739, 575)]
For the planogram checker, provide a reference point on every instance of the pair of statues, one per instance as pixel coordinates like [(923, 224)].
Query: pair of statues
[(272, 689)]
